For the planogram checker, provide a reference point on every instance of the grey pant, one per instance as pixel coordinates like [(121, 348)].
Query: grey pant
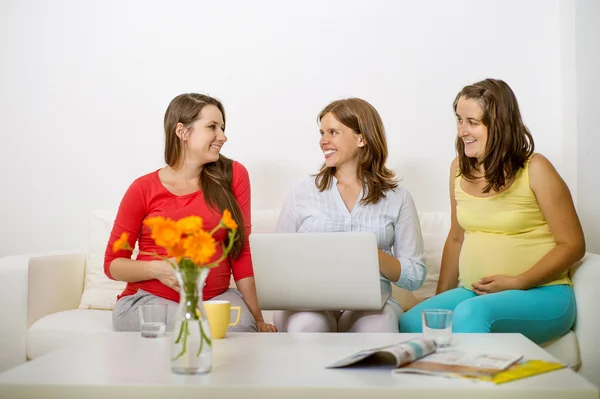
[(126, 314)]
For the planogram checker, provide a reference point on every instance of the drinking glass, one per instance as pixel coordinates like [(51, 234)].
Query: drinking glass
[(153, 320), (437, 325)]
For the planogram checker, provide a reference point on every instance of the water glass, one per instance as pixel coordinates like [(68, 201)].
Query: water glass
[(153, 320), (437, 325)]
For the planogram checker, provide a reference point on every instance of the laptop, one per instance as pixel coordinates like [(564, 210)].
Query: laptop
[(317, 271)]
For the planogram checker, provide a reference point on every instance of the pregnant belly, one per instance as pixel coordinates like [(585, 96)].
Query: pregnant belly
[(487, 254)]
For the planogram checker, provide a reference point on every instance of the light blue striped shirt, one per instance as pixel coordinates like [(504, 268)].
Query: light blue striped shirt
[(394, 220)]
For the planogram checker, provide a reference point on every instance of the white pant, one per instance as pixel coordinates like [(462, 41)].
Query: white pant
[(384, 320)]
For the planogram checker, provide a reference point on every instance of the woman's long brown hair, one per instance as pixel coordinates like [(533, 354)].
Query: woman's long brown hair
[(364, 119), (215, 177), (509, 142)]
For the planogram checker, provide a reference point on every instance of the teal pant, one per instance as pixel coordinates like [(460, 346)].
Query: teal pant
[(541, 314)]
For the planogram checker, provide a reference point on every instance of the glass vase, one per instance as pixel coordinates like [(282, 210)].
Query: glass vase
[(191, 341)]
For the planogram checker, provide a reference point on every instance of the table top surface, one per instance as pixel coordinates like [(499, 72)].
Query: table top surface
[(261, 361)]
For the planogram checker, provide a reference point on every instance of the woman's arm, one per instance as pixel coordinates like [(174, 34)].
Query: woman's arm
[(449, 267), (554, 199), (389, 266), (406, 269), (129, 219), (242, 265), (247, 288), (132, 271), (120, 266)]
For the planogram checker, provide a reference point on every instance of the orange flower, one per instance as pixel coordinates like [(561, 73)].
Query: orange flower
[(121, 243), (177, 251), (166, 234), (189, 225), (154, 221), (199, 247), (228, 221)]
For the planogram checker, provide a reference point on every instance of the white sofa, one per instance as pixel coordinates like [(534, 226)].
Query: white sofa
[(49, 300)]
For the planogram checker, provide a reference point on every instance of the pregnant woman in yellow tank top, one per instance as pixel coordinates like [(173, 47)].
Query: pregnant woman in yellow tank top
[(514, 233)]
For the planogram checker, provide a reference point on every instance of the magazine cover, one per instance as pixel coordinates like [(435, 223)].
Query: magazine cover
[(450, 362), (519, 370), (395, 355), (421, 356)]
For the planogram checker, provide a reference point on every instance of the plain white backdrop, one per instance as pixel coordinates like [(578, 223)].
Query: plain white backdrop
[(84, 86)]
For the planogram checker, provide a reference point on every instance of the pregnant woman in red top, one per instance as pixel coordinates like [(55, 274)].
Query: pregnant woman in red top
[(197, 181)]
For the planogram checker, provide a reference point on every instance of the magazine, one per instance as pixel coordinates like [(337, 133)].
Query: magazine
[(451, 362), (421, 356), (519, 370), (395, 355)]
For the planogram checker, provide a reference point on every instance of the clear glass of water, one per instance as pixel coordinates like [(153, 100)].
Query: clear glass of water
[(153, 320), (437, 325)]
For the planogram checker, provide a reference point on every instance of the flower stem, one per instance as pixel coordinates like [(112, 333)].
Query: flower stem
[(204, 336), (214, 230), (184, 325), (180, 333), (201, 338)]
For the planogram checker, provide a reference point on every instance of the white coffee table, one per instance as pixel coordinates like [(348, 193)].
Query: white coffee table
[(124, 365)]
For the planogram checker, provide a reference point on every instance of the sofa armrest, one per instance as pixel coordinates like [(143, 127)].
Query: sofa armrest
[(55, 284), (33, 286), (13, 310), (586, 277)]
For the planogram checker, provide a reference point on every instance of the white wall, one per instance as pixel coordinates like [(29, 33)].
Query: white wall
[(84, 87), (587, 16)]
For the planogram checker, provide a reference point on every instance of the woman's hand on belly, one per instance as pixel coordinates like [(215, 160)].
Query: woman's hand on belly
[(496, 283), (163, 271)]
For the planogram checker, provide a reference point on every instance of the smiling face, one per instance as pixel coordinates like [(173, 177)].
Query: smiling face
[(204, 138), (470, 127), (339, 143)]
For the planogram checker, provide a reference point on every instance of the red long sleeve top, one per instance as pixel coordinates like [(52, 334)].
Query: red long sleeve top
[(147, 197)]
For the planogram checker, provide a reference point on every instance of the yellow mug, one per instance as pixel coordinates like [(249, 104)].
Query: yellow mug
[(219, 317)]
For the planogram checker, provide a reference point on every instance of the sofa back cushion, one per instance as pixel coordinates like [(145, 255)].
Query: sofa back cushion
[(264, 220), (434, 228), (99, 292)]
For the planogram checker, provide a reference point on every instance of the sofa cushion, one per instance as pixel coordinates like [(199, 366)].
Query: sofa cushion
[(99, 292), (434, 228), (565, 349), (264, 220), (58, 329)]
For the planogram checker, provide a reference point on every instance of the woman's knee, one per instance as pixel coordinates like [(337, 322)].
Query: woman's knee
[(125, 314), (246, 322), (472, 316), (124, 321), (411, 322), (376, 323), (309, 322), (248, 326)]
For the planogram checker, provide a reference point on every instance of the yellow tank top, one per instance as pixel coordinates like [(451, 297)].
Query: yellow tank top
[(504, 234)]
